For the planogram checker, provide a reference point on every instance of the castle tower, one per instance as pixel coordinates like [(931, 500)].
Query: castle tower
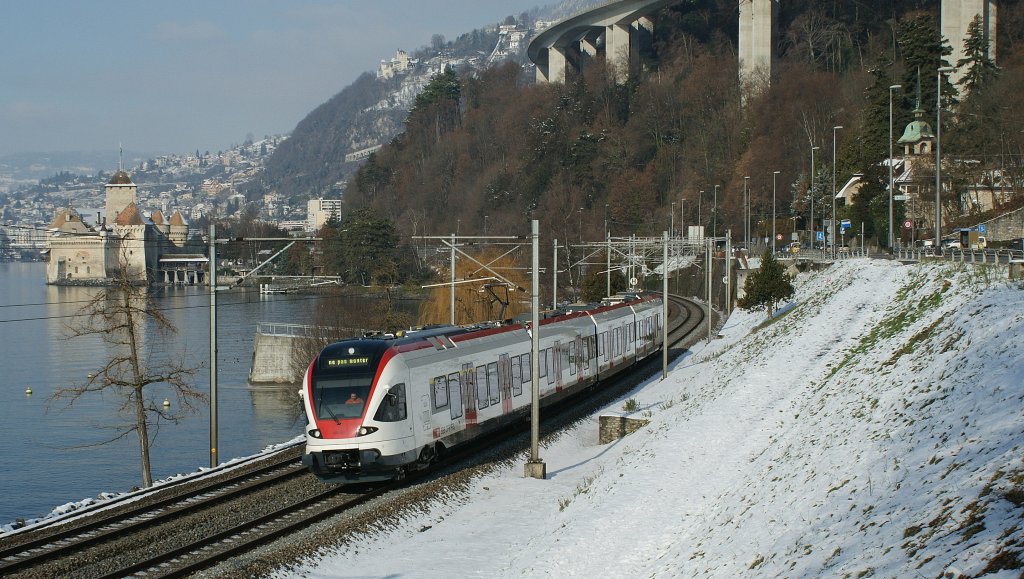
[(130, 228), (120, 192), (157, 217), (177, 229)]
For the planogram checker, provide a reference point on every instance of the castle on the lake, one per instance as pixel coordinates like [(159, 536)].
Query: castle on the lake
[(149, 247)]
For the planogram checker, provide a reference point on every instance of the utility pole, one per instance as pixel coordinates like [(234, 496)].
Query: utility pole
[(810, 189), (938, 156), (451, 295), (213, 345), (664, 308), (554, 283), (535, 467), (746, 206), (608, 265), (708, 255), (728, 272)]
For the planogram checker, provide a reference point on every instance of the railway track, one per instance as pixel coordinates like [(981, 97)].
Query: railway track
[(180, 533)]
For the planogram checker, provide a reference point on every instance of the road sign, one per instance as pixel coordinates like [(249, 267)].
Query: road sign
[(844, 224), (899, 197), (819, 235), (632, 282), (907, 224), (981, 228)]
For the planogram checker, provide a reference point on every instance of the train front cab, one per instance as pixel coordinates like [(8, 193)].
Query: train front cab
[(357, 405)]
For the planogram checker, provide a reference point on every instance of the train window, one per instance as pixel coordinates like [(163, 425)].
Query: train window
[(337, 398), (603, 349), (572, 359), (542, 364), (455, 395), (517, 376), (492, 383), (527, 370), (392, 407), (549, 365), (505, 376), (468, 386), (439, 386), (481, 387), (566, 359)]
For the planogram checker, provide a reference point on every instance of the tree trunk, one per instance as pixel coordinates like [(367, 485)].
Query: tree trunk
[(142, 430), (141, 424)]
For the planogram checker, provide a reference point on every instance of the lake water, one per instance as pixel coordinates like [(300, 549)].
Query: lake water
[(51, 453)]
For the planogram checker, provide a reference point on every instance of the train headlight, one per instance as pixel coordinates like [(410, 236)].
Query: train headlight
[(364, 430), (315, 433)]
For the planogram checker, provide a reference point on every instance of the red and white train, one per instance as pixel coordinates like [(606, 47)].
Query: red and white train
[(379, 407)]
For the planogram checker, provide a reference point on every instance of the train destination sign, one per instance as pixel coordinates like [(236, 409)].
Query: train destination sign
[(338, 362)]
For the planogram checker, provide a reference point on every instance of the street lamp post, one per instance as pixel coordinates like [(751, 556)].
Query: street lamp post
[(891, 236), (746, 201), (672, 220), (810, 190), (832, 230), (682, 217), (606, 221), (938, 153), (773, 210), (700, 196), (714, 216)]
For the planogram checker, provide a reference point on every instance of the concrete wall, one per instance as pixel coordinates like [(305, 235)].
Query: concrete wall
[(1006, 227), (272, 360)]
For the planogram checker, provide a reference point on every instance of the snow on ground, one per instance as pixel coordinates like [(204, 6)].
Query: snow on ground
[(874, 429)]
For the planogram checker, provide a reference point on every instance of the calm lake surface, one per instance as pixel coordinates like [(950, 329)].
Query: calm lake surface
[(50, 454)]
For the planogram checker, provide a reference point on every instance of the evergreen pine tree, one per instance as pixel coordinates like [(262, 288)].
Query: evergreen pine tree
[(767, 286), (924, 50), (978, 66)]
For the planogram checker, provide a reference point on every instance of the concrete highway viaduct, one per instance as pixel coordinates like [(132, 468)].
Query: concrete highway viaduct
[(620, 30)]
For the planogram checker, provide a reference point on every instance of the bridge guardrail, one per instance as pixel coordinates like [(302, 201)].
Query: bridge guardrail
[(964, 255)]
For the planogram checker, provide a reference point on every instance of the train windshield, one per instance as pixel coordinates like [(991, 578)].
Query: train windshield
[(339, 397)]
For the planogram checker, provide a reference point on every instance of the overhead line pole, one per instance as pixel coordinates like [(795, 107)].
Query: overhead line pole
[(535, 467), (664, 309), (213, 345), (451, 294)]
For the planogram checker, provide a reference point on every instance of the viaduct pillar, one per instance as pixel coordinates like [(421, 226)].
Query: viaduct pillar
[(756, 48), (956, 17)]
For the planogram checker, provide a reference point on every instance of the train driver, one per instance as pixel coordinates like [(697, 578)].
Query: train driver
[(353, 398)]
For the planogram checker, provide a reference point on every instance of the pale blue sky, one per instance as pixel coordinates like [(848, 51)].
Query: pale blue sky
[(181, 75)]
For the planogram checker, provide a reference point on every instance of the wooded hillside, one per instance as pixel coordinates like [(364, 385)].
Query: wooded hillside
[(494, 149)]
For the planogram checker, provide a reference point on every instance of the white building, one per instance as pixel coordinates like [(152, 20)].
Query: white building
[(319, 211)]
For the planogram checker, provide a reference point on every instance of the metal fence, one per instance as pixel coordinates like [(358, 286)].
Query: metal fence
[(964, 255)]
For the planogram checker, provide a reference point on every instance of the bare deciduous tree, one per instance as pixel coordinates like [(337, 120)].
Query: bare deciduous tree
[(121, 314)]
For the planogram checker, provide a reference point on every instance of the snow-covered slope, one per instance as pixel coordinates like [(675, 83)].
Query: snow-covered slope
[(875, 429)]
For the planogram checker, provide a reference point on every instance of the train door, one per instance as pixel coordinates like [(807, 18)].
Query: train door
[(468, 384), (505, 375), (556, 365)]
